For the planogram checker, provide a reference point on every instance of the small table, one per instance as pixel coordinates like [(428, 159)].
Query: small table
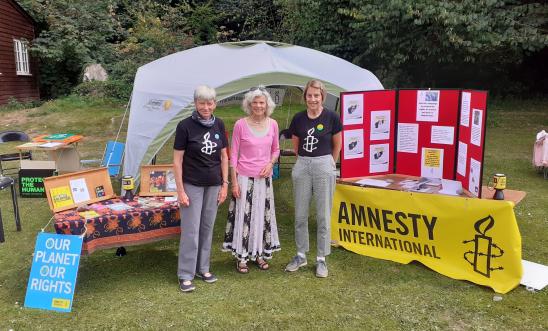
[(148, 219), (4, 183), (64, 153)]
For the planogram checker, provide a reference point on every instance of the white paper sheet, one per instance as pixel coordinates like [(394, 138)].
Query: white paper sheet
[(450, 187), (51, 144), (474, 177), (432, 162), (378, 158), (461, 160), (428, 105), (475, 137), (353, 144), (373, 182), (380, 125), (535, 275), (353, 109), (408, 137), (442, 135), (465, 109), (79, 190), (170, 199)]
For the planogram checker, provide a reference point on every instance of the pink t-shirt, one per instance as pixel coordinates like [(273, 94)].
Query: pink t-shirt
[(249, 154)]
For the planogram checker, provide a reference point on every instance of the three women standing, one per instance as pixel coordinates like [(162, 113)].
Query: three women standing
[(251, 230)]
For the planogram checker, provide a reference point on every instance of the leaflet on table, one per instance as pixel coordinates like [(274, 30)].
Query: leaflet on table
[(380, 125), (61, 196), (58, 136), (432, 162), (88, 214), (428, 106), (51, 144), (477, 118), (98, 207), (450, 187), (79, 190), (353, 109), (373, 182), (149, 203), (119, 206)]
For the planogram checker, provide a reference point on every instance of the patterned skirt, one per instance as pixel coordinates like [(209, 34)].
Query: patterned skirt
[(251, 230)]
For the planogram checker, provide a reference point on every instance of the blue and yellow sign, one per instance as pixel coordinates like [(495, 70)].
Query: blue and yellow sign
[(53, 274), (462, 238)]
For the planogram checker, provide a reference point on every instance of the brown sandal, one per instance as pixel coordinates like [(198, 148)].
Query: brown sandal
[(262, 264), (241, 267)]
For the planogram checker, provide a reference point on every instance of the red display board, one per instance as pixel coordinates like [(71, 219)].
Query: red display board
[(427, 122), (368, 119), (471, 140)]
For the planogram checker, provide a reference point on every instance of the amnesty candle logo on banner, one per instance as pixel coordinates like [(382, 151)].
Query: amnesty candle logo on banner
[(462, 238)]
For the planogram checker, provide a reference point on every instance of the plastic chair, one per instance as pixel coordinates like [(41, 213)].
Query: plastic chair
[(285, 151), (112, 158), (10, 136)]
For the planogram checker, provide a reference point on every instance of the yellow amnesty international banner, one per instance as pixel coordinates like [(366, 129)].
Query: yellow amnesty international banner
[(462, 238)]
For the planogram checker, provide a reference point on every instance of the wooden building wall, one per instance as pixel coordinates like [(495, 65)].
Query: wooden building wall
[(15, 23)]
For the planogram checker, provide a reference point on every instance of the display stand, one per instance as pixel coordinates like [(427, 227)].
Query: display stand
[(157, 180)]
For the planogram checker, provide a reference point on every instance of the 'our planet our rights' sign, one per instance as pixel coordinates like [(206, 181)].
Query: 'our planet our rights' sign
[(53, 274)]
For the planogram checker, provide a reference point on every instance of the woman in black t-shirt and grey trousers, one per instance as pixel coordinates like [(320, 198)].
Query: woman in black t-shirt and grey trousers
[(200, 163), (317, 142)]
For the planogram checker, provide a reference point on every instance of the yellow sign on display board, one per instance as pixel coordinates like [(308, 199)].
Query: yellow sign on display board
[(462, 238)]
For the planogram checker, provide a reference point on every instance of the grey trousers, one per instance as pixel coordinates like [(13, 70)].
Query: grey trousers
[(197, 221), (313, 177)]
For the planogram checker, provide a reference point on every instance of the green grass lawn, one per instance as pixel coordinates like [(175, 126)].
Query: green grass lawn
[(140, 290)]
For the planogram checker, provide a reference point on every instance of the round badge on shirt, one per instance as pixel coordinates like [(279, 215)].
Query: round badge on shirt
[(320, 127)]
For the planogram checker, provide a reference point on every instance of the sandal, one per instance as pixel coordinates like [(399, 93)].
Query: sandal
[(242, 267), (262, 264)]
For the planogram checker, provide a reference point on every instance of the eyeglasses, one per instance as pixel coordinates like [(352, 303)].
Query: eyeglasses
[(260, 88)]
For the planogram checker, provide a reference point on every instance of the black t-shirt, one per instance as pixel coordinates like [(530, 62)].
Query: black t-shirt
[(315, 134), (202, 146)]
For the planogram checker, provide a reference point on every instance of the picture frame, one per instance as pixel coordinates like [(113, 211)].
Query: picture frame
[(157, 180)]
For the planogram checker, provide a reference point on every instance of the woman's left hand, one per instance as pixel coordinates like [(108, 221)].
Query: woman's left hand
[(222, 194), (267, 170)]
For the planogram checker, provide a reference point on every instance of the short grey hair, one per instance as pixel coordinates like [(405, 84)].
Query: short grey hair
[(204, 92), (258, 92)]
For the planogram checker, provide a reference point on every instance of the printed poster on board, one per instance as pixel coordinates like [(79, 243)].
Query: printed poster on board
[(428, 106), (380, 125), (353, 144), (353, 109)]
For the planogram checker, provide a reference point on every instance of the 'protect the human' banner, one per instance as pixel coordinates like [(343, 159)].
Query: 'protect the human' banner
[(462, 238), (53, 274)]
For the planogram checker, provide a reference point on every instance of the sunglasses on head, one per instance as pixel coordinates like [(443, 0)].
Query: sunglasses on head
[(260, 88)]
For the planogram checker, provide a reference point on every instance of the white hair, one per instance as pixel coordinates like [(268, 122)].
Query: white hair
[(258, 92), (204, 92)]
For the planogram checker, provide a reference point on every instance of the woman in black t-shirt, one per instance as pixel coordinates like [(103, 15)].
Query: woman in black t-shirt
[(317, 142), (200, 163)]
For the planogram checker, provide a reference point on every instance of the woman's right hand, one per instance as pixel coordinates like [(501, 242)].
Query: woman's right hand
[(183, 199), (236, 190)]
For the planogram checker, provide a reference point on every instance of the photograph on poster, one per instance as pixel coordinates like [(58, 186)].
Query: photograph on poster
[(379, 156), (461, 159), (428, 106), (432, 162), (408, 137), (474, 177), (442, 135), (465, 109), (353, 109), (475, 137), (353, 144), (380, 125)]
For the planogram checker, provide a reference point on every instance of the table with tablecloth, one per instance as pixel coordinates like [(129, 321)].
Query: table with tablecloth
[(148, 219)]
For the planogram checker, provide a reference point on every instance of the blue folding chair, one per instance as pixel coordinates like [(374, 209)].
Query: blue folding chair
[(112, 158)]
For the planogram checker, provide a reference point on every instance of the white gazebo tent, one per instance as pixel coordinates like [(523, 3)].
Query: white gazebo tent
[(163, 89)]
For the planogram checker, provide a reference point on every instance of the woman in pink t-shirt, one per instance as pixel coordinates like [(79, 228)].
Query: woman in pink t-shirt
[(251, 231)]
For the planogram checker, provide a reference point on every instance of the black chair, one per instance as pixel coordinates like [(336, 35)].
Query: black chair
[(6, 182), (286, 151), (9, 136)]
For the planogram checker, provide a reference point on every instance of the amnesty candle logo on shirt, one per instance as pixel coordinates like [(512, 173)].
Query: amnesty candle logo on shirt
[(463, 238)]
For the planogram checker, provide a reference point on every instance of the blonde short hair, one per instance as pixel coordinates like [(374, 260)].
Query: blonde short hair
[(255, 92), (317, 84)]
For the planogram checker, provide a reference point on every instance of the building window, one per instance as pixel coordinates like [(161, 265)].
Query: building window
[(21, 57)]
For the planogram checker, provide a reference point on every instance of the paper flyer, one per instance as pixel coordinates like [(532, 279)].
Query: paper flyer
[(353, 109), (432, 163), (379, 156), (353, 144), (428, 106), (461, 158), (61, 197), (380, 125), (477, 118), (465, 109), (79, 190), (474, 177), (408, 137), (442, 135)]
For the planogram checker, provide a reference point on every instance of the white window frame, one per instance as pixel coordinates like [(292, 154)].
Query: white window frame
[(22, 66)]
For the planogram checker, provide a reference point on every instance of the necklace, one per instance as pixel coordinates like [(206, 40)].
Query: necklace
[(257, 122)]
